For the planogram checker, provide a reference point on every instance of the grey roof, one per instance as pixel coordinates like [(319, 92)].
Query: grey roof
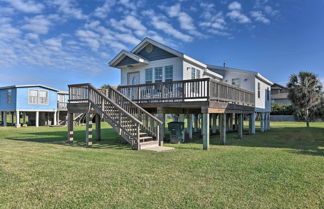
[(30, 85)]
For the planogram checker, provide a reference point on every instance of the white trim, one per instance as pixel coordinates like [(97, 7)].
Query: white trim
[(32, 85), (122, 54), (147, 40), (211, 73)]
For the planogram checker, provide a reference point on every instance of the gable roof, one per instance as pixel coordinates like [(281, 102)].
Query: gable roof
[(257, 75), (30, 85), (278, 85), (122, 54), (133, 54)]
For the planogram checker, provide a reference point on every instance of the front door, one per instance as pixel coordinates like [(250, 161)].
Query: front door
[(133, 79)]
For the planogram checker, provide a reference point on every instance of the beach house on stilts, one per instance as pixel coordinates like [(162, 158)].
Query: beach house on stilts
[(157, 80)]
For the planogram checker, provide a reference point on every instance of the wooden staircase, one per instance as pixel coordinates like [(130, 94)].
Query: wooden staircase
[(134, 124)]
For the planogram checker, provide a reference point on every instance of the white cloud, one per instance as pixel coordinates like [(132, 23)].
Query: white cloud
[(54, 44), (68, 8), (32, 36), (103, 11), (167, 28), (259, 16), (27, 6), (215, 21), (270, 11), (236, 14), (38, 24), (90, 37), (234, 6), (8, 31), (185, 20)]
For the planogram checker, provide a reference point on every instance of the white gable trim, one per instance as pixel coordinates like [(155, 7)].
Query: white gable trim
[(122, 54), (146, 41)]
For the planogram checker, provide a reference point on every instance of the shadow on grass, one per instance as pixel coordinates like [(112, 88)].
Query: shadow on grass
[(110, 139), (308, 141)]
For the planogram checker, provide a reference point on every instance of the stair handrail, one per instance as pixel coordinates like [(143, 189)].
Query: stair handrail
[(90, 86), (135, 104)]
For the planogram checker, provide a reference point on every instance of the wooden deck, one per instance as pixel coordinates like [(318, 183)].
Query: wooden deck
[(191, 95)]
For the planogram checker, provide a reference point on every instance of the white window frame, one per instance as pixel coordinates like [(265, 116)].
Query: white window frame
[(155, 75), (148, 81), (168, 79), (193, 73), (38, 98)]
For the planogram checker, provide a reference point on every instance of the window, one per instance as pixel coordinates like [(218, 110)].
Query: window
[(193, 73), (149, 75), (236, 82), (158, 74), (168, 71), (33, 94), (197, 73), (42, 97), (259, 90), (39, 97), (9, 96)]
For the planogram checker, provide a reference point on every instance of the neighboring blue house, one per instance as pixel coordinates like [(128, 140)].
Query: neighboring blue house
[(33, 105)]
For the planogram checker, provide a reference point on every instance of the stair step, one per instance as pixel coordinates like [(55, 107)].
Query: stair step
[(145, 138)]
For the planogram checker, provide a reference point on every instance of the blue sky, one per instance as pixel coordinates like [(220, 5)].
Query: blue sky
[(59, 42)]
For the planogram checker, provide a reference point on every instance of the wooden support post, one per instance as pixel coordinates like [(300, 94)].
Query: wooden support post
[(70, 127), (222, 128), (236, 122), (17, 119), (262, 126), (214, 129), (240, 126), (252, 124), (88, 129), (5, 118), (230, 127), (181, 119), (161, 116), (190, 126), (37, 118), (196, 122), (98, 127), (205, 129), (54, 118)]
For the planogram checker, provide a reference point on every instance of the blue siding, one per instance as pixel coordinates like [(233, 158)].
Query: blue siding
[(3, 99), (156, 54), (127, 61), (22, 100)]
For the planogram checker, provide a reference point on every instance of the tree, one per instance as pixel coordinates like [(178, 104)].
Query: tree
[(305, 92), (105, 86)]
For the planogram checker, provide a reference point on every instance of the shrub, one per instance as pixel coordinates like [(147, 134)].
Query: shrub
[(282, 109)]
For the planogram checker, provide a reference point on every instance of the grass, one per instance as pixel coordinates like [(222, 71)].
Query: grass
[(283, 168)]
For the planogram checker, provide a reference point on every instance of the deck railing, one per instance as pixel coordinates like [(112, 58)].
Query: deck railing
[(204, 89), (62, 106)]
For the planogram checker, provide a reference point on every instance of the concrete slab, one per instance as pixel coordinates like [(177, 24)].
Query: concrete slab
[(159, 149)]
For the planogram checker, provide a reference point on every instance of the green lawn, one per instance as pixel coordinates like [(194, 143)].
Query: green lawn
[(283, 168)]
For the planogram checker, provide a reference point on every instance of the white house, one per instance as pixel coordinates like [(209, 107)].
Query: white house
[(156, 79)]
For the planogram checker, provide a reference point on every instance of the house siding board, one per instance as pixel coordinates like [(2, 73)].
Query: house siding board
[(4, 106), (22, 100), (156, 54), (262, 104), (126, 61), (187, 70), (175, 61)]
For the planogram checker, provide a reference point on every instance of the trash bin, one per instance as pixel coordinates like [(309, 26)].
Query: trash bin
[(176, 132)]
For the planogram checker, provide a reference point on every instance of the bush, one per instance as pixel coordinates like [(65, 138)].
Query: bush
[(282, 109)]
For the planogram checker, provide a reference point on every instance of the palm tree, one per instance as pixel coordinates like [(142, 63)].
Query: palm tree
[(305, 92)]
